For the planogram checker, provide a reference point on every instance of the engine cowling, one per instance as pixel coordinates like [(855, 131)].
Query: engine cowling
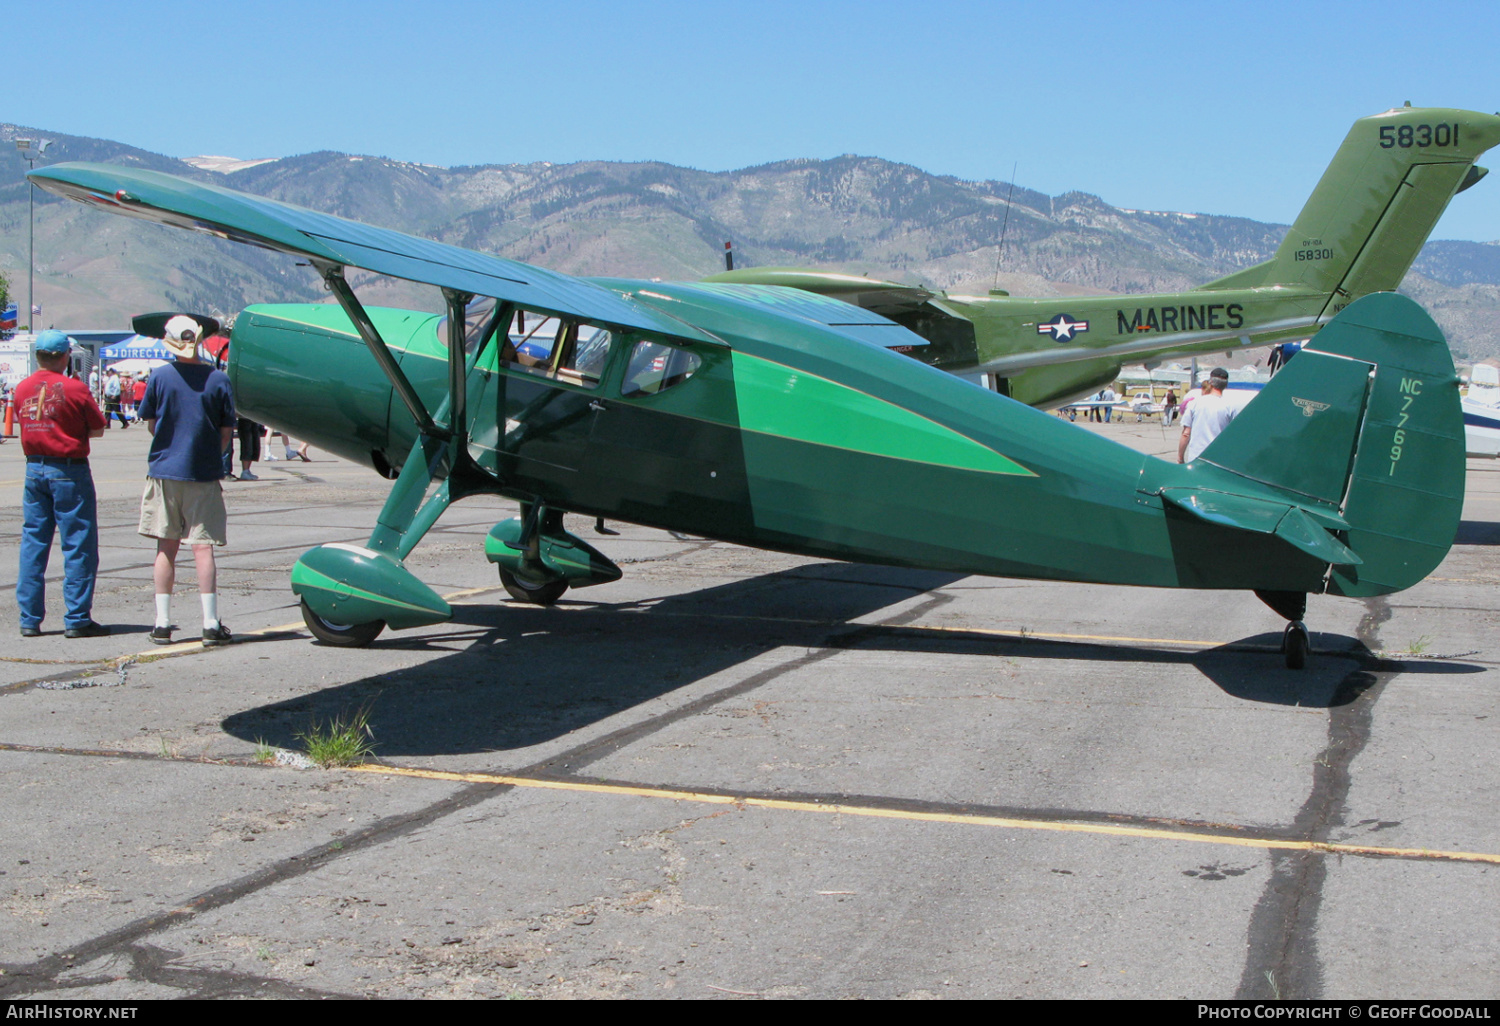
[(303, 369)]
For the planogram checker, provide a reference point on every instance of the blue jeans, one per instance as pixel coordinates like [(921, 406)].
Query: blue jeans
[(58, 499)]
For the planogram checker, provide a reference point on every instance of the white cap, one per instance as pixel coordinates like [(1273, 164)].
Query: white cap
[(182, 335)]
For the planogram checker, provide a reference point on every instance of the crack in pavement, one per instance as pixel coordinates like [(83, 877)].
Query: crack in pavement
[(161, 967), (592, 751), (46, 974), (43, 974), (1282, 959)]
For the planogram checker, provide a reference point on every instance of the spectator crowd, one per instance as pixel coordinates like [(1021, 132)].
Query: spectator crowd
[(187, 405)]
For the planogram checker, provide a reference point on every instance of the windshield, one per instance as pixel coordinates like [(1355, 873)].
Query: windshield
[(477, 317)]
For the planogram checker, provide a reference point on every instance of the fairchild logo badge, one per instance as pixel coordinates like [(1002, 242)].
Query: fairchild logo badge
[(1309, 407), (1062, 328)]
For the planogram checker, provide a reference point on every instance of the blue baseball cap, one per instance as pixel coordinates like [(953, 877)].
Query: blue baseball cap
[(53, 341)]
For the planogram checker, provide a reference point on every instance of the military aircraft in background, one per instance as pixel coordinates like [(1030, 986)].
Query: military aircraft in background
[(780, 419), (1359, 232)]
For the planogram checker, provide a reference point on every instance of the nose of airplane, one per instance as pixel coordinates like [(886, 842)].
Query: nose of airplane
[(303, 369)]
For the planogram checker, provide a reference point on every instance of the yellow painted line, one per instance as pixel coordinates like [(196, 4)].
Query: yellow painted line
[(1069, 637), (1004, 822), (183, 647)]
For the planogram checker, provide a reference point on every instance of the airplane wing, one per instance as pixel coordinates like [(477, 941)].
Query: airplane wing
[(855, 322), (165, 199), (883, 297)]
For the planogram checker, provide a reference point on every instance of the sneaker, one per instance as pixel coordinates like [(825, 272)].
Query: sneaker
[(161, 635), (31, 632), (87, 630), (247, 476), (216, 636), (272, 458)]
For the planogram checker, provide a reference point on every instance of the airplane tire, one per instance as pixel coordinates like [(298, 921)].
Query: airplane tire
[(1294, 645), (543, 596), (351, 635)]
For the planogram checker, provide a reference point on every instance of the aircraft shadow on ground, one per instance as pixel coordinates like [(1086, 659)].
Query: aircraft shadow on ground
[(531, 675), (1478, 532)]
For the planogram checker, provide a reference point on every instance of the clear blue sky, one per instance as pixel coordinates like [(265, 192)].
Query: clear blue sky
[(1224, 107)]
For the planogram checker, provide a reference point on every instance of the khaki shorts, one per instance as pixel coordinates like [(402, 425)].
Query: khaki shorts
[(191, 511)]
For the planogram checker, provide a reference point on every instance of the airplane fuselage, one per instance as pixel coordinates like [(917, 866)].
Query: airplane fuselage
[(1059, 349), (803, 442)]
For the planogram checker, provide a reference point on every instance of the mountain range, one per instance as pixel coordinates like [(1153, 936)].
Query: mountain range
[(857, 214)]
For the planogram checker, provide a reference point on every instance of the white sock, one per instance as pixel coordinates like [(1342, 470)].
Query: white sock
[(210, 611), (164, 610)]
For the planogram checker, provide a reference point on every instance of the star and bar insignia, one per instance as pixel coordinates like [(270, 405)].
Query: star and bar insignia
[(1062, 328)]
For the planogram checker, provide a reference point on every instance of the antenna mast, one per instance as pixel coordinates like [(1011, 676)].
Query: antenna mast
[(1000, 249)]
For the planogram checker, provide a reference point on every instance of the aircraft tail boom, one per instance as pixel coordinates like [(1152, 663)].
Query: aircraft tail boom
[(1376, 204)]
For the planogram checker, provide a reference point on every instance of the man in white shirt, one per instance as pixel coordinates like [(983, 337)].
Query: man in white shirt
[(1205, 417), (112, 399)]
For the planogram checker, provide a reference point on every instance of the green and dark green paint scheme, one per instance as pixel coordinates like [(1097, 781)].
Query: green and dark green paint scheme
[(782, 419), (1359, 232)]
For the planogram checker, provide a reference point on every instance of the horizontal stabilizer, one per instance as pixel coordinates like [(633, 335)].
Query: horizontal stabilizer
[(1294, 525), (1301, 531)]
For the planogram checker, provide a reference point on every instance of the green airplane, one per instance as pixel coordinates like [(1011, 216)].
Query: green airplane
[(780, 419), (1361, 229)]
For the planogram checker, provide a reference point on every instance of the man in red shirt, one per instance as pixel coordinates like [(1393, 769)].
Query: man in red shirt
[(58, 416)]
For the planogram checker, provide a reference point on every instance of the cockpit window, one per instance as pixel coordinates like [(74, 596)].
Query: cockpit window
[(654, 367), (552, 347), (530, 340), (581, 354)]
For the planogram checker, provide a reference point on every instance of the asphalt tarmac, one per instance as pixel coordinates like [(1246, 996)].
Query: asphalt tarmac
[(742, 774)]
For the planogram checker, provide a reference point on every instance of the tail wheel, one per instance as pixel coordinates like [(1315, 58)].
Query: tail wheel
[(542, 595), (1294, 645), (344, 635)]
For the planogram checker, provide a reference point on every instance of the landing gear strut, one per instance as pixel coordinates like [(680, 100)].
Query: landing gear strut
[(1294, 641)]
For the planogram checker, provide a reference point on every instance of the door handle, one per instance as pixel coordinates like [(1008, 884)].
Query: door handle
[(597, 406)]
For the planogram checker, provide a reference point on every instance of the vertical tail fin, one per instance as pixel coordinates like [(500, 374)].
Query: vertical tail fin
[(1374, 207), (1363, 431)]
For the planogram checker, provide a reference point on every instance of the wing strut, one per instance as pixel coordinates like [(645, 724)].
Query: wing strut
[(333, 274), (458, 371), (346, 583)]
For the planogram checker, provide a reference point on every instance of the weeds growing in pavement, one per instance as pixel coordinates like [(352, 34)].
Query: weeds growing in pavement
[(342, 742)]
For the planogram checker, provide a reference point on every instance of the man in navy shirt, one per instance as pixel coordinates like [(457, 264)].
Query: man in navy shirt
[(189, 410)]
